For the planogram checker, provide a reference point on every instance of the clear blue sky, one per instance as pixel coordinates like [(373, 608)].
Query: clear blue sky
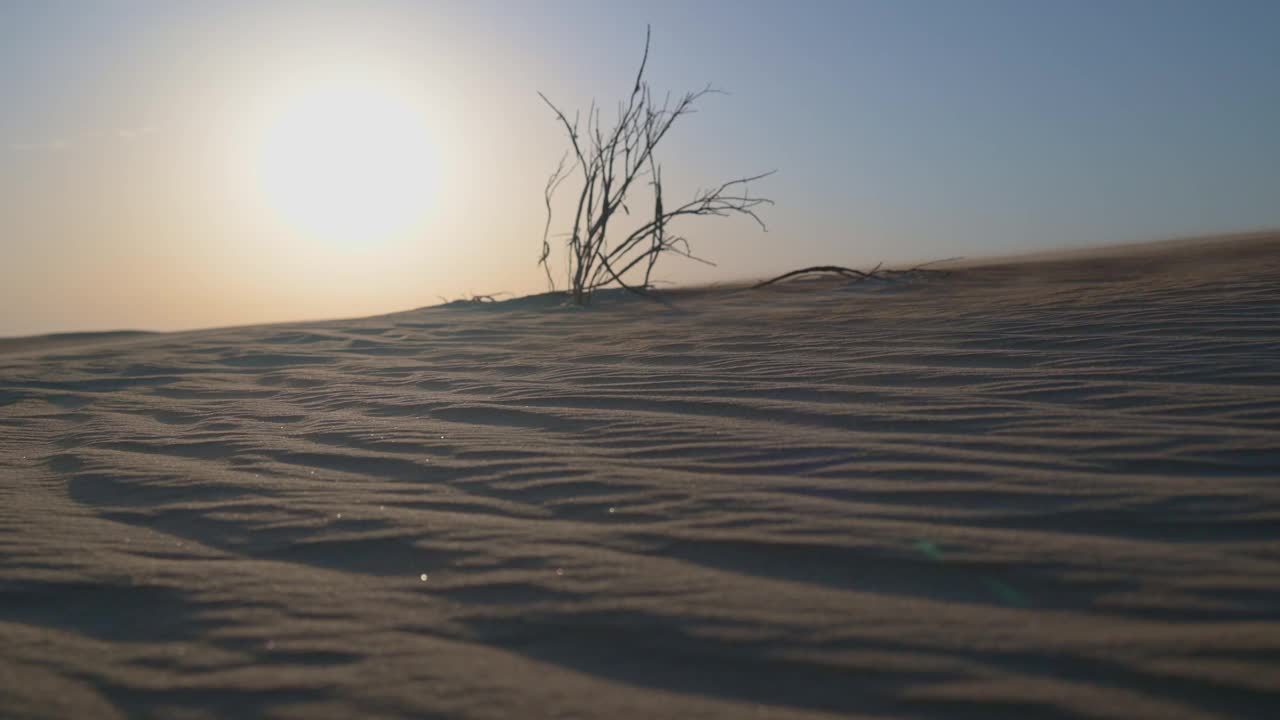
[(900, 130)]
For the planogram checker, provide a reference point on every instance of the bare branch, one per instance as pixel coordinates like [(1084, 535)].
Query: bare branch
[(610, 163), (832, 269), (553, 183), (875, 273)]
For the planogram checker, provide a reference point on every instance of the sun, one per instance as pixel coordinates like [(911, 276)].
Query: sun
[(346, 157)]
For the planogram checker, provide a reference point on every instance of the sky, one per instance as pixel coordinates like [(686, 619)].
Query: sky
[(171, 165)]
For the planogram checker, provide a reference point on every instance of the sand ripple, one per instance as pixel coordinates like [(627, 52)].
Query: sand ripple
[(1029, 490)]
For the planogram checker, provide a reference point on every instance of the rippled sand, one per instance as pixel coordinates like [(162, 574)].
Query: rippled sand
[(1041, 489)]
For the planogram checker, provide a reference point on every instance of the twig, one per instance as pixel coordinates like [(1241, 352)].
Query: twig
[(875, 273), (832, 269)]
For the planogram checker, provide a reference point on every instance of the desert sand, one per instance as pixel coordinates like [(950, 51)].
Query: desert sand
[(1035, 488)]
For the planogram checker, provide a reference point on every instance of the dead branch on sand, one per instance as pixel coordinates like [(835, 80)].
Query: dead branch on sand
[(875, 273), (473, 300)]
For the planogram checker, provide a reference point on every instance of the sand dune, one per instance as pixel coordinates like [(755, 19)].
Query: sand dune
[(1042, 489), (63, 341)]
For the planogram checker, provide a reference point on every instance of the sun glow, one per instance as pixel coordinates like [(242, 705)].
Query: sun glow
[(346, 157)]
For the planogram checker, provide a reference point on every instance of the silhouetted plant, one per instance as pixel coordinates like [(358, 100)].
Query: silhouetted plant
[(610, 163)]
